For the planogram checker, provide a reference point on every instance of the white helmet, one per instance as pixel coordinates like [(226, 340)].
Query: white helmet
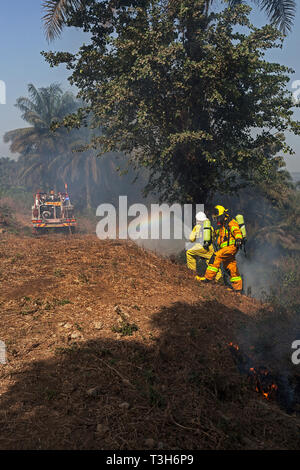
[(200, 217)]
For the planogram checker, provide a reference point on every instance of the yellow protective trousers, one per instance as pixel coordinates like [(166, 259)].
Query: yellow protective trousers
[(198, 251), (226, 256)]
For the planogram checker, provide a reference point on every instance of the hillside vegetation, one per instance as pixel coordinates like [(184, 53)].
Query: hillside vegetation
[(110, 346)]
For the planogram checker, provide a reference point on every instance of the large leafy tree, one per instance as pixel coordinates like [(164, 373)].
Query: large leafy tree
[(186, 93), (57, 12)]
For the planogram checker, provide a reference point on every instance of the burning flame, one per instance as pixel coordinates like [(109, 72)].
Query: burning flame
[(266, 389), (261, 378)]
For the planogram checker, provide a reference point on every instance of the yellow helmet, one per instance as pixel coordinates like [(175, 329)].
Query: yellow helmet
[(220, 213), (219, 210)]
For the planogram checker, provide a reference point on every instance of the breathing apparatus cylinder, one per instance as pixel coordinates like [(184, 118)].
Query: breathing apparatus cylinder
[(240, 220), (207, 233)]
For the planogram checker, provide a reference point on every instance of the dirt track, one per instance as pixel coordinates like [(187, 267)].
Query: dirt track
[(112, 347)]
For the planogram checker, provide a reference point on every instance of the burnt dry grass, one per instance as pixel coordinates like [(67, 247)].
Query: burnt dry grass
[(112, 347)]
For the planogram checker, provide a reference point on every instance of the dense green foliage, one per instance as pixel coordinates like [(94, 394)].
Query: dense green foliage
[(57, 12), (183, 92)]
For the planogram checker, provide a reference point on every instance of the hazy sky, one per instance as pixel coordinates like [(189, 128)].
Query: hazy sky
[(22, 40)]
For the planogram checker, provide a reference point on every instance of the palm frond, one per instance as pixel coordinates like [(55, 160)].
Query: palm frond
[(35, 96), (56, 12), (25, 104), (30, 170), (234, 3), (11, 135), (21, 140), (280, 12)]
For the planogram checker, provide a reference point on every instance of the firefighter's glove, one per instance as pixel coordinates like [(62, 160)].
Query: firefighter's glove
[(238, 242)]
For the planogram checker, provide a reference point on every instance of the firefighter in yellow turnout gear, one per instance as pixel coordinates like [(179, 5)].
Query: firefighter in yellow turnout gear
[(201, 248), (229, 240)]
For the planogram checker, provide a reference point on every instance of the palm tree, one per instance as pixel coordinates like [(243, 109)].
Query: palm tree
[(94, 178), (56, 13), (82, 167), (37, 144), (49, 158)]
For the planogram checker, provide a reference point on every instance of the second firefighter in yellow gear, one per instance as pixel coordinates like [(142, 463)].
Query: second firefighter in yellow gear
[(198, 250), (229, 239)]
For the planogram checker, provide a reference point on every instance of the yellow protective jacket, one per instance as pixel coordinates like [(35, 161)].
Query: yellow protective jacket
[(195, 233), (228, 233)]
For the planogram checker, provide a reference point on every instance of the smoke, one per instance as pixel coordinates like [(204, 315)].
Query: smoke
[(270, 273), (170, 230), (257, 268)]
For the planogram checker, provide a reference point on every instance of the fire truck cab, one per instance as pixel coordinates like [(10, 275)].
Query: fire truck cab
[(53, 212)]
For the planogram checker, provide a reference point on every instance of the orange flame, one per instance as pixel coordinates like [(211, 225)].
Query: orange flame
[(258, 377)]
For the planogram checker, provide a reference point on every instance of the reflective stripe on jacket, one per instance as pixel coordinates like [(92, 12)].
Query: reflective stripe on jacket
[(228, 234)]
